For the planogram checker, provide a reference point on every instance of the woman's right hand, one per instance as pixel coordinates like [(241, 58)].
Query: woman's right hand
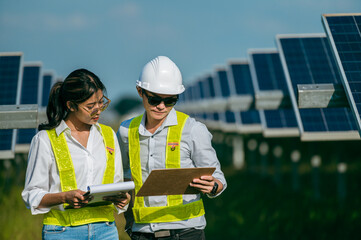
[(75, 198)]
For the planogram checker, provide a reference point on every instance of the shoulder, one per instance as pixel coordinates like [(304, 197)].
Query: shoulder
[(195, 127), (40, 139), (124, 128), (41, 135)]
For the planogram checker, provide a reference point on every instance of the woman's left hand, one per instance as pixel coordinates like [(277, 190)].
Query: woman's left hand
[(119, 201)]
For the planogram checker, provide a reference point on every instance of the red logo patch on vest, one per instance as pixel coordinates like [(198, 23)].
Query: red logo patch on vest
[(173, 145), (110, 150)]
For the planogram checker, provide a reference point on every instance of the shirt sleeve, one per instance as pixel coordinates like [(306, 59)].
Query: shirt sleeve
[(203, 154), (37, 174), (118, 174), (122, 135)]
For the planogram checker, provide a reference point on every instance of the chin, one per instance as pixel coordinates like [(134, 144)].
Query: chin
[(159, 116)]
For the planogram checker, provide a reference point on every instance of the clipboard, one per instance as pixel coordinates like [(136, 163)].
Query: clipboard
[(172, 181)]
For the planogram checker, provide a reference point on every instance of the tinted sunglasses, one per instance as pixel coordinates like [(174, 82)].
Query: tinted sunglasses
[(156, 100)]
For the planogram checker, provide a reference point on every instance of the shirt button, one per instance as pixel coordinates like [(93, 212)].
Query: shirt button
[(151, 155), (152, 136)]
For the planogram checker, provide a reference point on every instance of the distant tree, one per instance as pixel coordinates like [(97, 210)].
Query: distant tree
[(127, 104)]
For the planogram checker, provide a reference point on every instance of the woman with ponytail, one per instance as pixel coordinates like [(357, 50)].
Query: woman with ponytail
[(70, 152)]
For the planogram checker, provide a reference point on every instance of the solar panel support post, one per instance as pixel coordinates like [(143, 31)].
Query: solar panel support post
[(321, 96), (277, 153), (263, 150), (19, 116), (252, 154), (316, 163), (238, 152), (341, 183), (295, 158)]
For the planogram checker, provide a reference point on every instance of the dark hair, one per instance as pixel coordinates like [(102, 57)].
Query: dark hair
[(77, 87)]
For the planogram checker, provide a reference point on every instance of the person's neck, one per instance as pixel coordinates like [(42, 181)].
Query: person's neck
[(153, 124), (76, 126)]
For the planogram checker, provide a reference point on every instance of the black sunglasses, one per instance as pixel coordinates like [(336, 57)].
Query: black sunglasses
[(156, 100)]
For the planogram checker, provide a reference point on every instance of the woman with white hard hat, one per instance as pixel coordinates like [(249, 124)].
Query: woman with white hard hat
[(165, 138)]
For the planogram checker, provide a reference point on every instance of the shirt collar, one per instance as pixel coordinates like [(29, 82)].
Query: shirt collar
[(171, 120), (64, 127)]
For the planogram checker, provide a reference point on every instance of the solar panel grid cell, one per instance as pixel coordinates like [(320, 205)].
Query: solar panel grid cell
[(224, 86), (344, 34), (10, 81), (29, 95), (241, 71), (30, 88), (308, 60), (268, 75), (240, 83), (47, 82), (9, 76)]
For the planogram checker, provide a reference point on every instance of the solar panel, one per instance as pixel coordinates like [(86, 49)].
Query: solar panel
[(308, 59), (241, 94), (10, 84), (267, 76), (344, 34), (227, 118), (30, 94), (48, 79)]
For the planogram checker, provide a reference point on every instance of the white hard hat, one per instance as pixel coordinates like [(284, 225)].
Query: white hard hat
[(161, 76)]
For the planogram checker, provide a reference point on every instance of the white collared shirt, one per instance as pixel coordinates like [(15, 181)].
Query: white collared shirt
[(195, 151), (42, 174)]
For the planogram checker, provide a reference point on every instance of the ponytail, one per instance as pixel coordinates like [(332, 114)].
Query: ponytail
[(55, 111)]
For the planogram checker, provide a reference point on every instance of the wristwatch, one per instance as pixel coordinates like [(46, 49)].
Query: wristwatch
[(215, 188)]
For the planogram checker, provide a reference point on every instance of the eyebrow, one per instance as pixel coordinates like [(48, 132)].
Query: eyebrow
[(95, 101)]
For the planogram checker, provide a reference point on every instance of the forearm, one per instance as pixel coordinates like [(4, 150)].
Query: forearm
[(52, 199), (74, 198)]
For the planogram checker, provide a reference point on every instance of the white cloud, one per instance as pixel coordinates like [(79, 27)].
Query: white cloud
[(129, 10), (44, 21), (132, 22)]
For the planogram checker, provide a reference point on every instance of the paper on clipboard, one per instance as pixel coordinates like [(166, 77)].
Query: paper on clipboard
[(172, 181), (104, 190)]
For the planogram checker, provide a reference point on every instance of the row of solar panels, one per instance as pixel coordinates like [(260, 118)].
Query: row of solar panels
[(259, 94), (21, 83)]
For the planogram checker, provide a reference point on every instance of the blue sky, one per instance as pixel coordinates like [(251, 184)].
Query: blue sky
[(115, 38)]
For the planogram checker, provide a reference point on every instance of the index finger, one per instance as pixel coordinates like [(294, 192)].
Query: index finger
[(207, 177)]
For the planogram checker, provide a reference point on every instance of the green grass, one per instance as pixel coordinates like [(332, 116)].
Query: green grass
[(17, 223), (255, 208)]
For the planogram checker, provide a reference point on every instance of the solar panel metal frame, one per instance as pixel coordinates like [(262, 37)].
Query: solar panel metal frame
[(344, 79), (247, 100), (268, 132), (309, 136), (24, 147), (9, 154)]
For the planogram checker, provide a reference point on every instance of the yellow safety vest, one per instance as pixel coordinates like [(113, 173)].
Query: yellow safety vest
[(86, 215), (175, 209)]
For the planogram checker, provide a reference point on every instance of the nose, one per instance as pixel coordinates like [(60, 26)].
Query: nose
[(161, 105)]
